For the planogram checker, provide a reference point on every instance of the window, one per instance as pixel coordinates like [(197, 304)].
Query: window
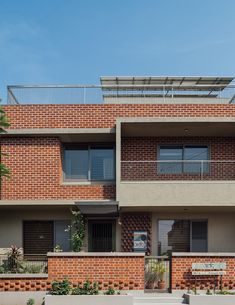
[(89, 163), (182, 236), (179, 154)]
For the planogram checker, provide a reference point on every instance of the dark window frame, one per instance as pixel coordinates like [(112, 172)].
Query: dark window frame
[(183, 146), (88, 147)]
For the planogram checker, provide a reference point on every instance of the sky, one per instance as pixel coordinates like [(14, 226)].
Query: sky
[(77, 41)]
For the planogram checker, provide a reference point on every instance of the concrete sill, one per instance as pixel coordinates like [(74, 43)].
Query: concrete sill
[(98, 254), (70, 183), (23, 275)]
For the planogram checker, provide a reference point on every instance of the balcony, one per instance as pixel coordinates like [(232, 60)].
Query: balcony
[(177, 183)]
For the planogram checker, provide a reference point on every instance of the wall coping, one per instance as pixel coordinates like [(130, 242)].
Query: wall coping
[(23, 275), (95, 254), (199, 254)]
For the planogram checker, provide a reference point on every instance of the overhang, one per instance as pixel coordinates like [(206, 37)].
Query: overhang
[(178, 126), (108, 208), (67, 134)]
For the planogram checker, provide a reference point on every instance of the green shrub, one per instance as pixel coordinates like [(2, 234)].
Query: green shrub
[(60, 287), (110, 291), (30, 302), (88, 288)]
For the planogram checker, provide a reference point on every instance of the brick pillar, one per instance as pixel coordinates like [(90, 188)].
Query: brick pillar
[(135, 222)]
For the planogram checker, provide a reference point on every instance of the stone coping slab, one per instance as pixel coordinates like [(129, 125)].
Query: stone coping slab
[(23, 275), (98, 254), (209, 254)]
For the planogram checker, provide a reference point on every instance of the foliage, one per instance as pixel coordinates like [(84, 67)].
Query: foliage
[(159, 268), (77, 230), (4, 123), (60, 287), (30, 302), (88, 288), (111, 291), (225, 292), (58, 248), (14, 263), (208, 292)]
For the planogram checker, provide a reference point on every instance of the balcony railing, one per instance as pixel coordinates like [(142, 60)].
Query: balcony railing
[(98, 94), (208, 170), (33, 264)]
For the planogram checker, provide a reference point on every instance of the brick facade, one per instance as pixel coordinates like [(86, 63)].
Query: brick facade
[(146, 149), (118, 272), (182, 277), (35, 162), (134, 222), (36, 172), (104, 116)]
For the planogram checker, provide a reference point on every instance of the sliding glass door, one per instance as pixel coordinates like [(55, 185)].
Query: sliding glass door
[(182, 235)]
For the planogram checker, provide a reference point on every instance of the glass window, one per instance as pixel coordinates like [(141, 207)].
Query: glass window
[(170, 153), (183, 153), (102, 164), (76, 164), (173, 236), (89, 163), (199, 236), (195, 153), (182, 236)]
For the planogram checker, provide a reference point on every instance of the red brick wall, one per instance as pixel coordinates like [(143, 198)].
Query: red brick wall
[(135, 222), (36, 172), (118, 272), (24, 284), (36, 162), (104, 116), (182, 273), (145, 149)]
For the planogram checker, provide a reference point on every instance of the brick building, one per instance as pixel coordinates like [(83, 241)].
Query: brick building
[(150, 163)]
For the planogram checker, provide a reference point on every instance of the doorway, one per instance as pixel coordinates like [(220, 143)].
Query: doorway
[(101, 235)]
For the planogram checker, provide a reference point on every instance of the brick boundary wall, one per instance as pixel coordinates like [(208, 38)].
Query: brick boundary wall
[(119, 272), (182, 277), (24, 284)]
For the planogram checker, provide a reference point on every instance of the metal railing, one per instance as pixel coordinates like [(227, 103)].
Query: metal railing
[(157, 273), (97, 94), (223, 170), (30, 264)]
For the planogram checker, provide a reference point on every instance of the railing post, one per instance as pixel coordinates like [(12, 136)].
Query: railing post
[(201, 169)]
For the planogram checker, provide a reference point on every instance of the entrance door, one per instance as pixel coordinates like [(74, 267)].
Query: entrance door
[(38, 237), (101, 236)]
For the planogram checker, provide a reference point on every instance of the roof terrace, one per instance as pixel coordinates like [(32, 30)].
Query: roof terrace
[(131, 90)]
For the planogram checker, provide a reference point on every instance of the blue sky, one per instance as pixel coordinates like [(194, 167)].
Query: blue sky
[(76, 41)]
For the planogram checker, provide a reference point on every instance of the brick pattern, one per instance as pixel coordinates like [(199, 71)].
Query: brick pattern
[(134, 222), (118, 272), (24, 284), (145, 149), (182, 277), (36, 172), (104, 116)]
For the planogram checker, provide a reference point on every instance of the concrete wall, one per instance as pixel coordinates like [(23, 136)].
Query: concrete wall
[(221, 229), (176, 193)]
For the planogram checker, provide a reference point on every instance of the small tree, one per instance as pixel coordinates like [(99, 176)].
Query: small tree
[(77, 230), (4, 171)]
